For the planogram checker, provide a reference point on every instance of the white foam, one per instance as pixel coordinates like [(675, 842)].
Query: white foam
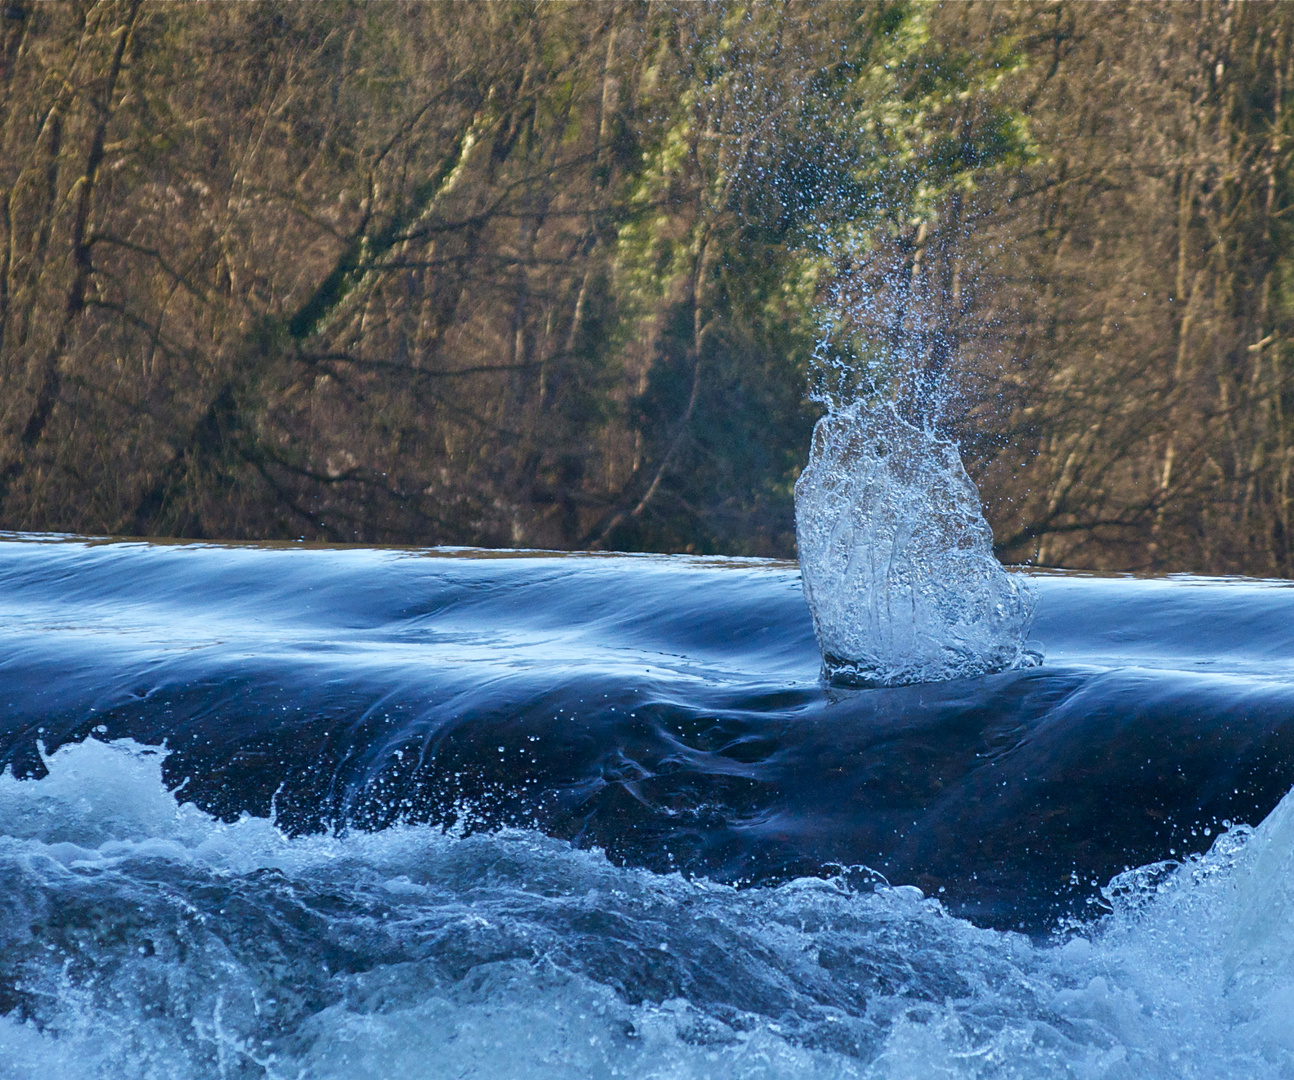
[(149, 940)]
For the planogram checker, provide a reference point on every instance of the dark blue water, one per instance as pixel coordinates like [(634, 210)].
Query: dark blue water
[(478, 814)]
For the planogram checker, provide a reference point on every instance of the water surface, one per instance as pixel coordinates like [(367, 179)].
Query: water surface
[(289, 811)]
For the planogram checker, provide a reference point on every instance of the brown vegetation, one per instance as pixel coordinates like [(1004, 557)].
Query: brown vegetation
[(1154, 238), (553, 274)]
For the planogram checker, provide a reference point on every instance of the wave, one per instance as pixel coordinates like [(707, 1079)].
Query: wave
[(274, 812), (666, 711), (142, 937)]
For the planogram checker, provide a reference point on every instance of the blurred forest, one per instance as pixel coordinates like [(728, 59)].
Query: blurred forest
[(564, 274)]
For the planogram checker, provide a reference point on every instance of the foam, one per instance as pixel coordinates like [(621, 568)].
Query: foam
[(147, 939)]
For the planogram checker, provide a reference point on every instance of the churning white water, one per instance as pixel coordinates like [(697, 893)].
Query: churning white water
[(897, 559), (153, 941)]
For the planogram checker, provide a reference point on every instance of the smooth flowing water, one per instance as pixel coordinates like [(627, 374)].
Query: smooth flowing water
[(294, 812)]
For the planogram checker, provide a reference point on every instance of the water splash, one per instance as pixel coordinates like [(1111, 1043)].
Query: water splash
[(897, 559), (141, 938)]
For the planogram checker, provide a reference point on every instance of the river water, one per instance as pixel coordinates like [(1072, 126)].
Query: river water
[(302, 812)]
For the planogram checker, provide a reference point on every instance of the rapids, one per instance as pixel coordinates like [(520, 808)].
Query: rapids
[(281, 811)]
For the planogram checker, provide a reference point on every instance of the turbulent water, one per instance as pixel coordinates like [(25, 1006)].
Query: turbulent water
[(290, 812)]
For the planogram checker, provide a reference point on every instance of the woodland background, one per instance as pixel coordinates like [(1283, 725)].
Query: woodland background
[(564, 274)]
